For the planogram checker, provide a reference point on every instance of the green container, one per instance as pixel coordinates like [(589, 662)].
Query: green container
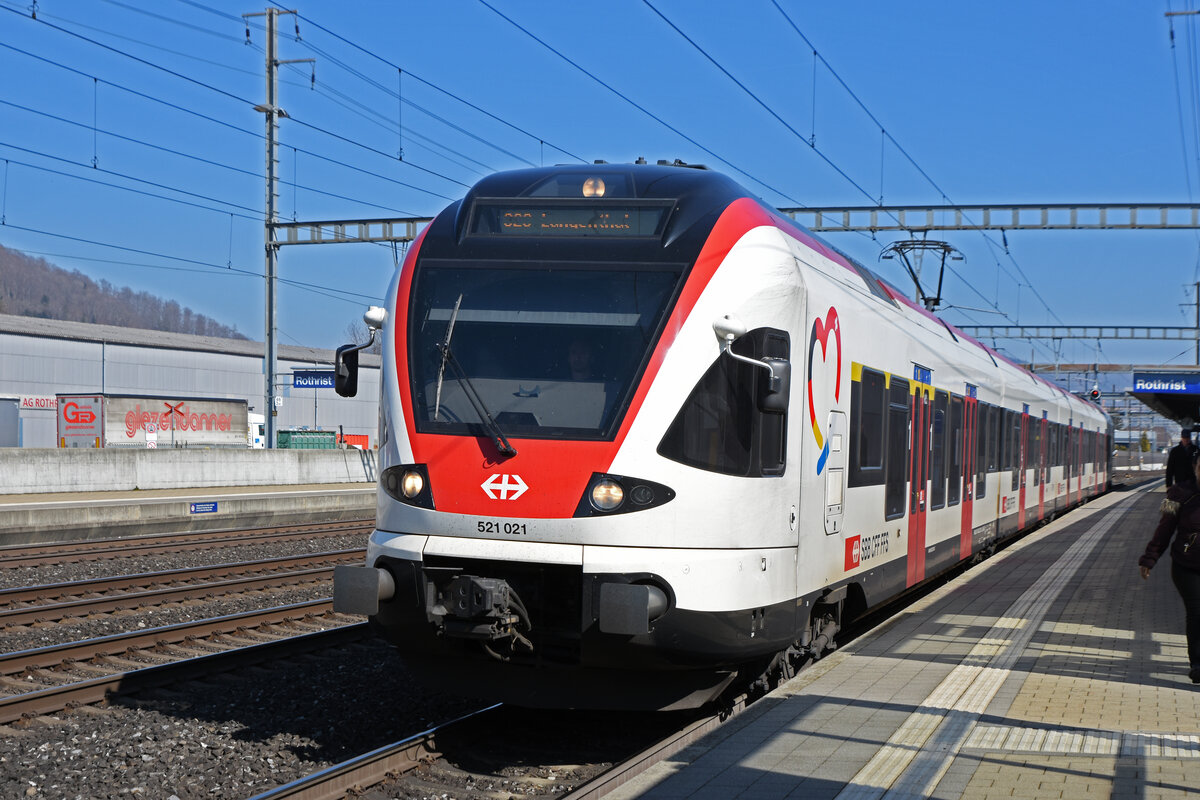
[(307, 440)]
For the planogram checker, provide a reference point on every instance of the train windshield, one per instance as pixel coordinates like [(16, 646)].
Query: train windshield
[(546, 351)]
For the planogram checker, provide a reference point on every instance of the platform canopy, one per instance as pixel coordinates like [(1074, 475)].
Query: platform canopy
[(1175, 395)]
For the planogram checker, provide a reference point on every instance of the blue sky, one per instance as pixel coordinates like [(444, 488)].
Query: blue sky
[(1020, 102)]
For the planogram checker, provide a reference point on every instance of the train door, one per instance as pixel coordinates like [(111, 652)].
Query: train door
[(919, 440), (1022, 464), (1041, 466), (969, 449), (835, 472)]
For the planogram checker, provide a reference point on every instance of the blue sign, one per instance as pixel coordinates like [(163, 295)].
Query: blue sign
[(922, 374), (203, 508), (312, 379), (1167, 382), (972, 391)]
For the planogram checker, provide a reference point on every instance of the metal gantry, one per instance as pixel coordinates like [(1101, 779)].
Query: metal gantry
[(1041, 217)]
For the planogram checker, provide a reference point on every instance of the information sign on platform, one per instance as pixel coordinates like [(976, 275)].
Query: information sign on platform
[(203, 508), (1167, 382), (312, 379)]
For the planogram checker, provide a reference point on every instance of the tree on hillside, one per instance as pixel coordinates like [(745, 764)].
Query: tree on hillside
[(33, 287)]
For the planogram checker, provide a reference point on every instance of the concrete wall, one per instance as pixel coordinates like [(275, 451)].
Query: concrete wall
[(29, 471)]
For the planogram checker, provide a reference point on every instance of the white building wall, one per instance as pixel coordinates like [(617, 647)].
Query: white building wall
[(66, 361)]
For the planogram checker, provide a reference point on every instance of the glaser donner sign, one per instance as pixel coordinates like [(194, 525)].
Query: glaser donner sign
[(122, 421), (1167, 383), (177, 417)]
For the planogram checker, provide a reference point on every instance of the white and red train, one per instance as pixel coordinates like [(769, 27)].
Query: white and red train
[(639, 433)]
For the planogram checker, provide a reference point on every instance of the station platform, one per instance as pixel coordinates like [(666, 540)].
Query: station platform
[(73, 516), (1050, 670)]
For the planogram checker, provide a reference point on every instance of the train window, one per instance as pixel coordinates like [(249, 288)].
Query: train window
[(1015, 449), (1033, 445), (937, 448), (720, 427), (1071, 448), (955, 443), (869, 403), (551, 352), (1003, 436), (994, 417), (897, 449), (983, 445)]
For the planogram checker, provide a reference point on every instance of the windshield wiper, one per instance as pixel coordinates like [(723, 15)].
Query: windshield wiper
[(485, 416), (481, 410), (444, 348)]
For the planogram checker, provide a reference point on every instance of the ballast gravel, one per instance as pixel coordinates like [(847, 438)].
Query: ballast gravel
[(226, 737)]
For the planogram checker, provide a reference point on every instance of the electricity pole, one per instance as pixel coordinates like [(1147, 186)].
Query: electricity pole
[(273, 112)]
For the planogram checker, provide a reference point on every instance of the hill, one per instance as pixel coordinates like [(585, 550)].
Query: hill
[(33, 287)]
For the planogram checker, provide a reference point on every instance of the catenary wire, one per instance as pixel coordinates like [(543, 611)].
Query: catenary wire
[(635, 104), (435, 87)]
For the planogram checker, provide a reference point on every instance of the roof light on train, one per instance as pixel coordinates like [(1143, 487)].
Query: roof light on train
[(607, 495), (593, 187)]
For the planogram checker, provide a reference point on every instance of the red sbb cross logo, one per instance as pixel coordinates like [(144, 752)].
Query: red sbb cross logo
[(504, 487)]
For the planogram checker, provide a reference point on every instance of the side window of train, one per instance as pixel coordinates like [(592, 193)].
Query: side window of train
[(896, 491), (868, 404), (937, 451), (984, 447), (721, 427), (1014, 447), (955, 457)]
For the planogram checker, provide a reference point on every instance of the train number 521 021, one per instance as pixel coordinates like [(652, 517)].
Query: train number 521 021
[(507, 528)]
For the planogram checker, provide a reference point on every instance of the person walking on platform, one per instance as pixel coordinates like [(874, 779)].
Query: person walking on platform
[(1181, 520), (1179, 460)]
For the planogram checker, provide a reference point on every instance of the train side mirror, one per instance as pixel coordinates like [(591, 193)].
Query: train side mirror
[(773, 398), (345, 370), (345, 360)]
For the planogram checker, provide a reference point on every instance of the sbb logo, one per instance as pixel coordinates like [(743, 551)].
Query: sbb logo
[(504, 487), (82, 416), (853, 552)]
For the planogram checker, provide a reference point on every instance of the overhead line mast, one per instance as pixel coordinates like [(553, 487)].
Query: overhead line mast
[(273, 112)]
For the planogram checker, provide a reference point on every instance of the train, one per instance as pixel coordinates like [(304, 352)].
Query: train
[(644, 438)]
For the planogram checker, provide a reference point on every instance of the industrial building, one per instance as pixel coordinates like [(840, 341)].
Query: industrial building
[(41, 358)]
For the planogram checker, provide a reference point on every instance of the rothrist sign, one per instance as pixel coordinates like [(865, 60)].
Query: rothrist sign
[(1167, 382)]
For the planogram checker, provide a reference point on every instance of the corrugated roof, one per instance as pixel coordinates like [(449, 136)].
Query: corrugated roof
[(141, 337)]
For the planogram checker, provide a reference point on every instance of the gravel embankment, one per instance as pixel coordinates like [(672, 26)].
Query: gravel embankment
[(221, 738)]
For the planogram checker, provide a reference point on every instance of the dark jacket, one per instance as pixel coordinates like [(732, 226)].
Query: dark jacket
[(1180, 519), (1179, 464)]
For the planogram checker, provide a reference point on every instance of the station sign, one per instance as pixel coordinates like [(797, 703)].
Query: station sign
[(202, 508), (312, 379), (1167, 382)]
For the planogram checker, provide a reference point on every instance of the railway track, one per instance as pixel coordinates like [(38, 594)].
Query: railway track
[(53, 602), (14, 556), (49, 679)]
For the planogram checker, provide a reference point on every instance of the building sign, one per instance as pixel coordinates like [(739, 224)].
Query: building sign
[(312, 379), (39, 403), (1167, 382)]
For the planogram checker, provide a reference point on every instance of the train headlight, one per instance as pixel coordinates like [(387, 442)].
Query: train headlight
[(412, 483), (408, 483), (620, 494), (607, 495), (593, 187)]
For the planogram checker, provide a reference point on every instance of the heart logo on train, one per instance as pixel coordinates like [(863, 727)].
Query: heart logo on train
[(820, 379)]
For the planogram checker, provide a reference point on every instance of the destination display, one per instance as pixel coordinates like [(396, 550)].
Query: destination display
[(592, 219)]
